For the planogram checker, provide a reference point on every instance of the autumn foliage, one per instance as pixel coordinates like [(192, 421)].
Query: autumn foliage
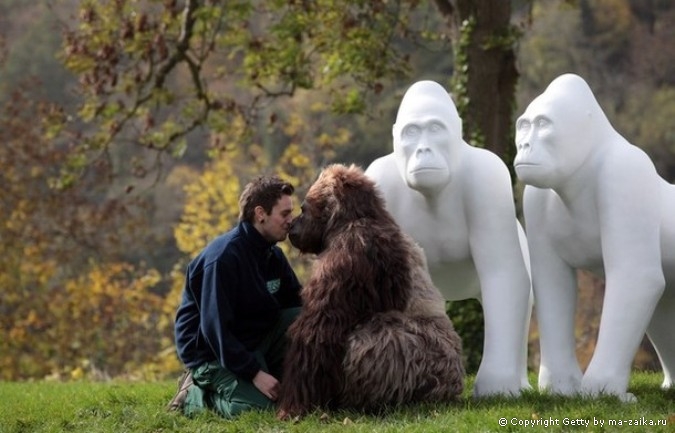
[(74, 302)]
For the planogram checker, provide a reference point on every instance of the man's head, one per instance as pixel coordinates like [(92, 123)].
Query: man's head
[(267, 203)]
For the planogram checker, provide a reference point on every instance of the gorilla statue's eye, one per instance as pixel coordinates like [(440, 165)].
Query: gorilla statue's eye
[(436, 127), (523, 125), (411, 131), (542, 122)]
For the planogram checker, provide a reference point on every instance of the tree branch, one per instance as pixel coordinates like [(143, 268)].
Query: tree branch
[(182, 46)]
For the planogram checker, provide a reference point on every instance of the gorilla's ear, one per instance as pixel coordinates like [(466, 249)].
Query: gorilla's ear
[(356, 194)]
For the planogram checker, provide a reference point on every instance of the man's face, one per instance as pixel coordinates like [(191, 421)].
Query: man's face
[(275, 226)]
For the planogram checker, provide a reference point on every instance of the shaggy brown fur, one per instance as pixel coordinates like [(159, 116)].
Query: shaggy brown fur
[(373, 332)]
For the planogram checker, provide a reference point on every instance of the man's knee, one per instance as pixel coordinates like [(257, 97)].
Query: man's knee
[(235, 407), (244, 396)]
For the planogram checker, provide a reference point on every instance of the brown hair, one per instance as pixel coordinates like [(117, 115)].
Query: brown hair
[(262, 191)]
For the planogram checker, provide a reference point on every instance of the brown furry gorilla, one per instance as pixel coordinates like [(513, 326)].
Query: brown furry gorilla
[(373, 332)]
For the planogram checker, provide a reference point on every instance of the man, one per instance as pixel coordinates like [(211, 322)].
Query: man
[(240, 297)]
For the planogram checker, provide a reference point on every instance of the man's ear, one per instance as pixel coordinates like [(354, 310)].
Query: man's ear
[(260, 214)]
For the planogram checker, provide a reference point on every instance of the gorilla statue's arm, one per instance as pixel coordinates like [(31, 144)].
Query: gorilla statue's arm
[(554, 284), (495, 244)]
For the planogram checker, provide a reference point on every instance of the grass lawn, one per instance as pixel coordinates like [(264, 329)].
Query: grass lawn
[(139, 407)]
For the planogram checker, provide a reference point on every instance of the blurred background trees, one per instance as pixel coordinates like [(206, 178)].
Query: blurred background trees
[(129, 126)]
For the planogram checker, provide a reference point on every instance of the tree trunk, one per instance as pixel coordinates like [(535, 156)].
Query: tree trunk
[(491, 74)]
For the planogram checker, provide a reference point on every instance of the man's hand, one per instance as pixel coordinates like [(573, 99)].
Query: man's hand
[(267, 384)]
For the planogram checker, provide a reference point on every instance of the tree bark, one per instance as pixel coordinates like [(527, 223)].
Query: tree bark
[(491, 75)]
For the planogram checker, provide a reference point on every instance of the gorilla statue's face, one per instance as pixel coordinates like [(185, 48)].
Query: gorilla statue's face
[(427, 135), (557, 133), (308, 229)]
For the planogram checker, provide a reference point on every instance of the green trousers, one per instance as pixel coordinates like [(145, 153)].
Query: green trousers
[(220, 390)]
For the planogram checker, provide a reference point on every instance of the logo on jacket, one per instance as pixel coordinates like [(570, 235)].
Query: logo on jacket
[(273, 286)]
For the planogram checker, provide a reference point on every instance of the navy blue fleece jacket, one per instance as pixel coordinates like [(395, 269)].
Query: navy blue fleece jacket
[(234, 291)]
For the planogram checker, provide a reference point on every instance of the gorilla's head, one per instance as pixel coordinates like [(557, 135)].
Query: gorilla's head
[(340, 196)]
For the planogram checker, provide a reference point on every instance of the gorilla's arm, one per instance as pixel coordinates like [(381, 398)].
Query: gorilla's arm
[(312, 375)]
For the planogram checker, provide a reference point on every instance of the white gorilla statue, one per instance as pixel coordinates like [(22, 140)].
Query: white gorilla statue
[(456, 201), (594, 201)]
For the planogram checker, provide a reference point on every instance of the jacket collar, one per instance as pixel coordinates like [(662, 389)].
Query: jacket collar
[(258, 242)]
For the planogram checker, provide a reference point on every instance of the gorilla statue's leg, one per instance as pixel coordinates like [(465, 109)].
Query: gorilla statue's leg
[(660, 333)]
